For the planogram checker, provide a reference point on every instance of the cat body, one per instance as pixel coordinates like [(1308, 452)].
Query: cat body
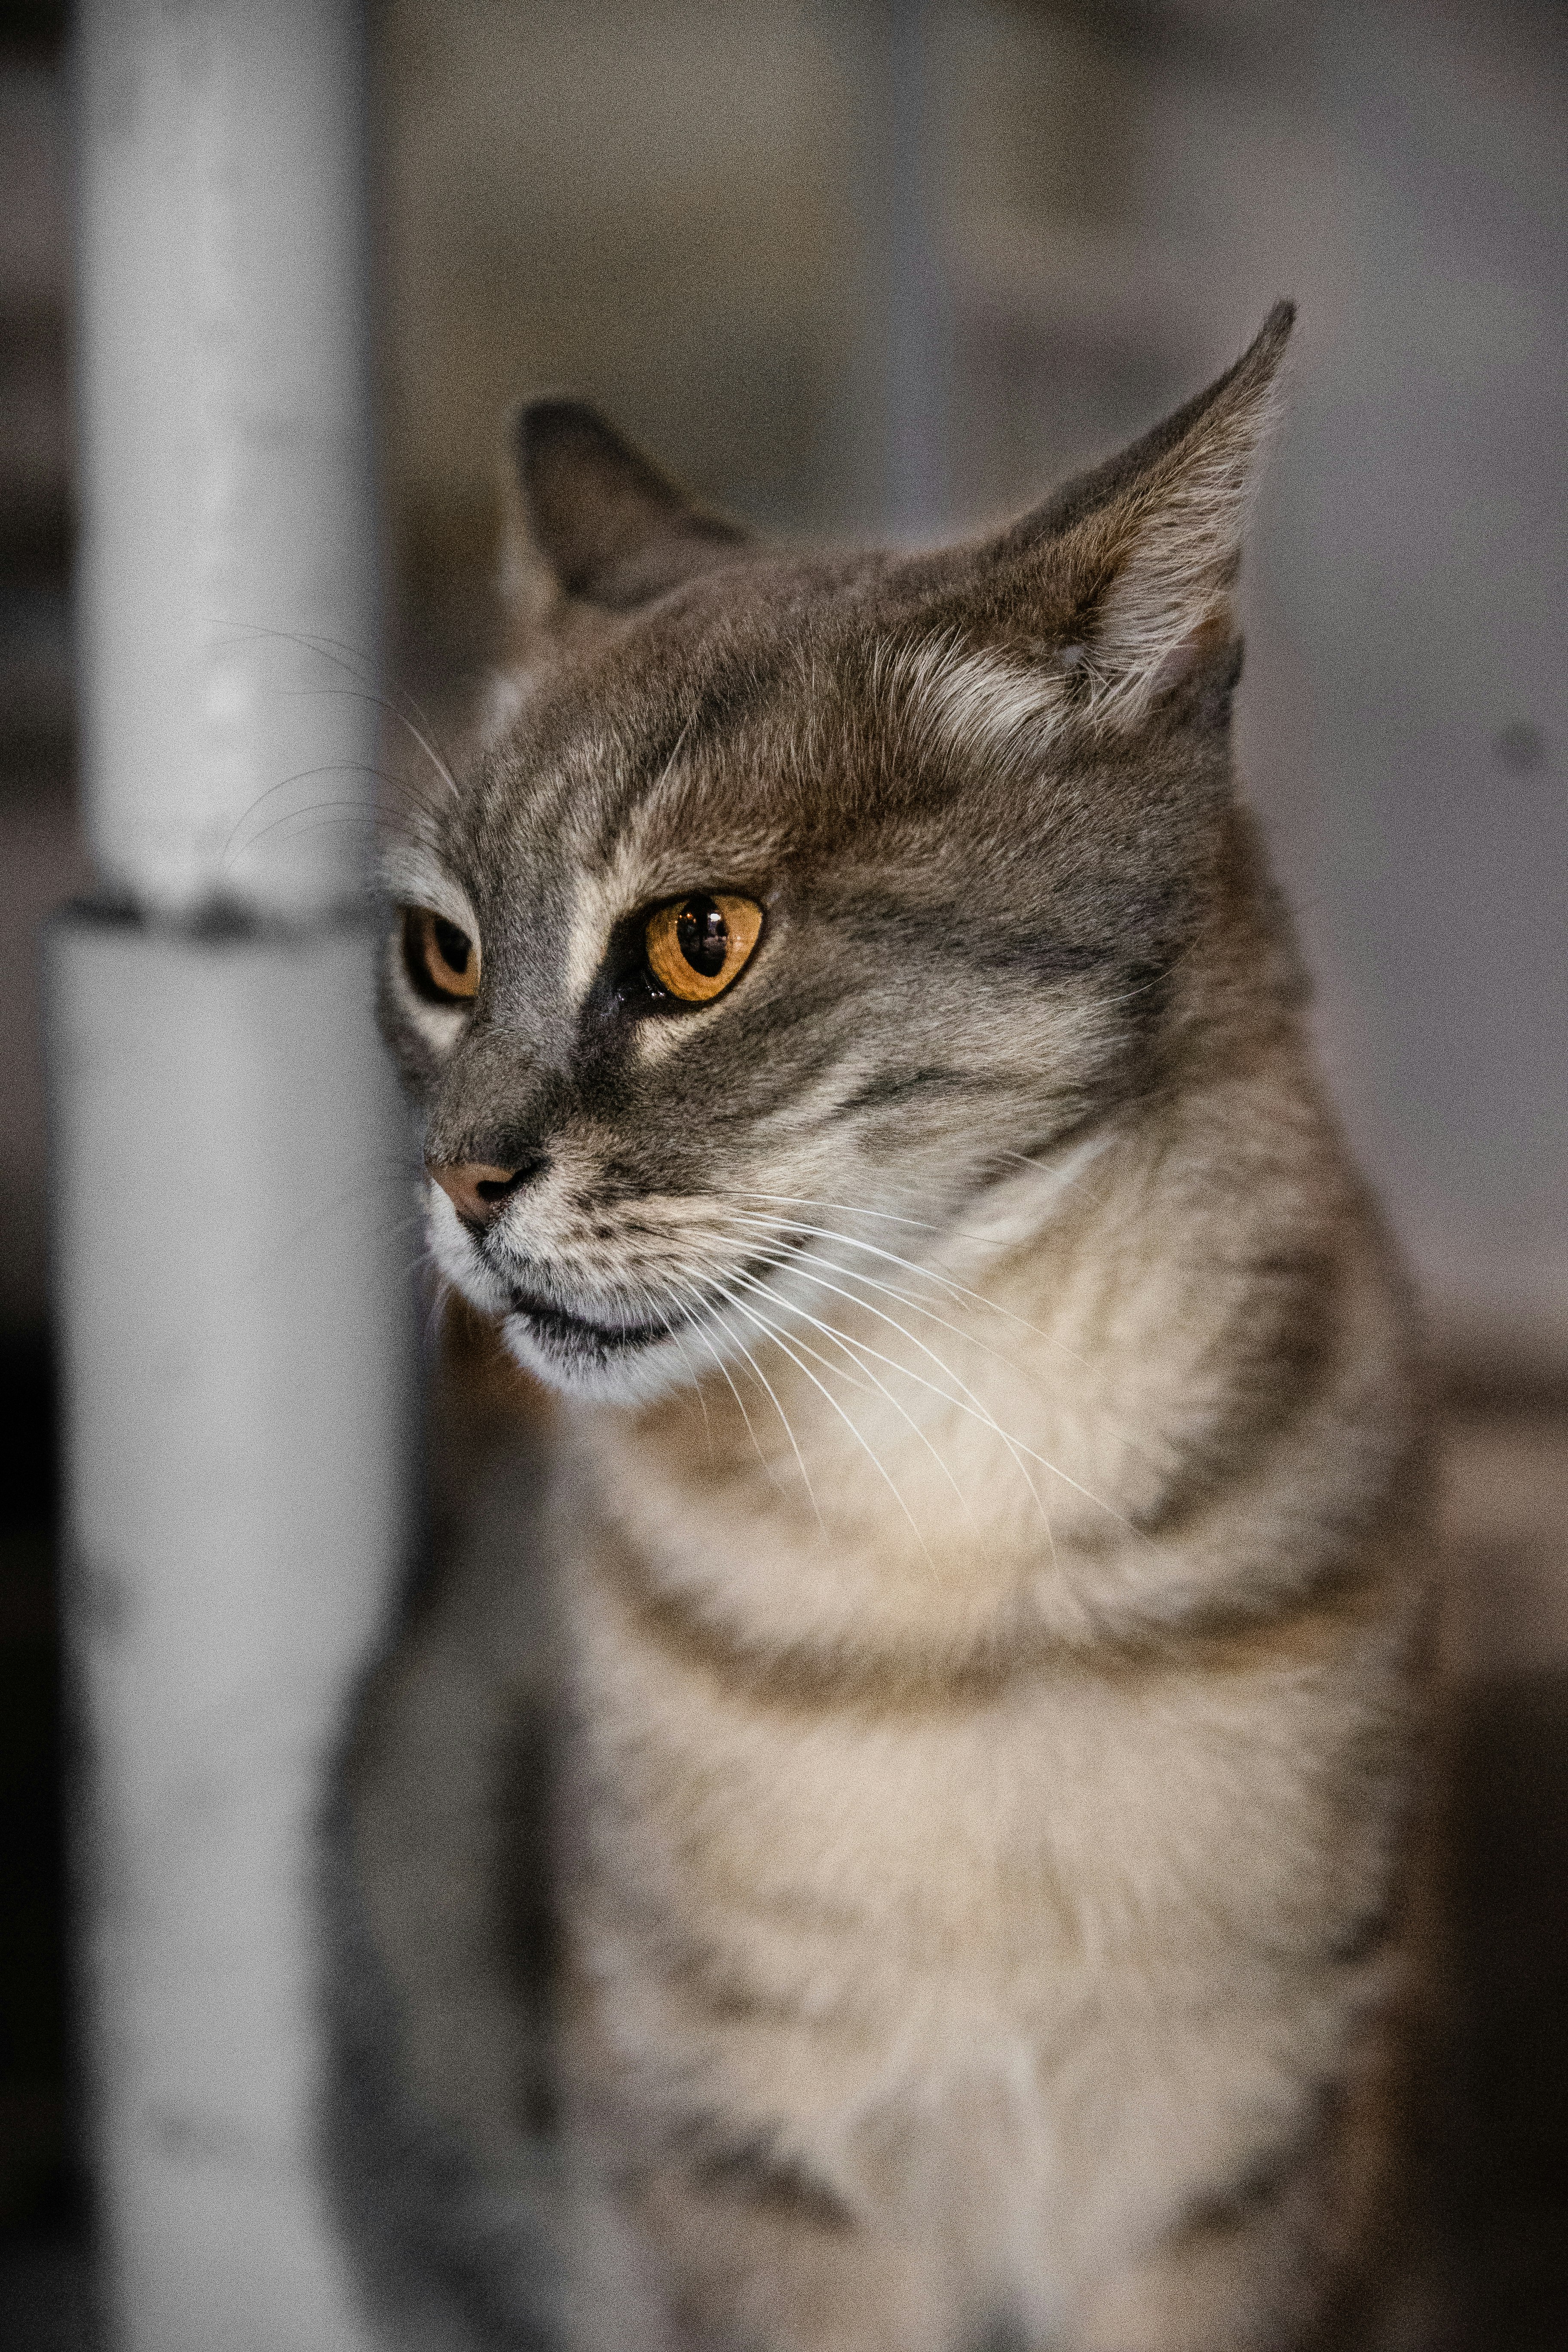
[(986, 1532)]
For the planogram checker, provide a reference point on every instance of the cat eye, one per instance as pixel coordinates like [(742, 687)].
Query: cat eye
[(442, 961), (697, 947)]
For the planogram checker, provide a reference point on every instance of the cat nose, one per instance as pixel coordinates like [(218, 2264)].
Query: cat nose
[(477, 1190)]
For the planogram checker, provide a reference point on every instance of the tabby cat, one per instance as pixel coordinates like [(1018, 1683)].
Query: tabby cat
[(983, 1594)]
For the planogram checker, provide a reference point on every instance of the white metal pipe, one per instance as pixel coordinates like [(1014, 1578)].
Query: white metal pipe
[(225, 446), (225, 1189), (226, 1155)]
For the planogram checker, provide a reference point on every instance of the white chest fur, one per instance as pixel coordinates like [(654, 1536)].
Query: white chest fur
[(1032, 1963)]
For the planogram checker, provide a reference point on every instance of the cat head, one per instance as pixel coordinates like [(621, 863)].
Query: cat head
[(791, 906)]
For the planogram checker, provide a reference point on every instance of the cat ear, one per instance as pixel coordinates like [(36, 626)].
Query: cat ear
[(594, 520), (1135, 564)]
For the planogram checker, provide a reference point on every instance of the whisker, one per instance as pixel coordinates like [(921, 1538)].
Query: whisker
[(974, 1406), (788, 1347), (956, 1289), (305, 775), (804, 1200), (959, 1293), (980, 1412), (442, 1294), (357, 666), (679, 746), (781, 1342), (657, 1302), (778, 1407), (769, 1472), (910, 1299), (695, 1381), (759, 1375), (715, 1277), (849, 1241), (783, 1417), (846, 1343), (354, 663), (380, 702), (1046, 1168), (319, 815), (923, 1224), (795, 1254), (772, 1332)]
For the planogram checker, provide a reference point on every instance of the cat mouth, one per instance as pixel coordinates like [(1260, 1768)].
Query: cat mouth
[(567, 1334), (570, 1334)]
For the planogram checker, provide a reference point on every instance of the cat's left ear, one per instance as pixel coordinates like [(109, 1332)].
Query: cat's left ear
[(1131, 570), (595, 522)]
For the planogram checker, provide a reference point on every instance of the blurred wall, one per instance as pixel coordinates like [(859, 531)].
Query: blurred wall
[(693, 212)]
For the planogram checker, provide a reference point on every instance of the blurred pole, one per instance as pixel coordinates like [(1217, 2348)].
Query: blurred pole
[(908, 179), (225, 1151)]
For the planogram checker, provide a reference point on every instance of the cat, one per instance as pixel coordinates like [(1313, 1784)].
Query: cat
[(983, 1591)]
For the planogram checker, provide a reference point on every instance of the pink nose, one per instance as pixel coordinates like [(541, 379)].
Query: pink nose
[(478, 1192)]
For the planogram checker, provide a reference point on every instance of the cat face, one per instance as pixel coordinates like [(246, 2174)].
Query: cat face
[(792, 907)]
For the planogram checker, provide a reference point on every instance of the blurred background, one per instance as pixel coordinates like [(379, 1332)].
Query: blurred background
[(857, 268)]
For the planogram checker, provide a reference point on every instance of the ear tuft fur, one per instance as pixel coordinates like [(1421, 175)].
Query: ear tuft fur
[(599, 520)]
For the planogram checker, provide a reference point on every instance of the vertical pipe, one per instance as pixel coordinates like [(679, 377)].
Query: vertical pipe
[(917, 325), (225, 426), (225, 1155)]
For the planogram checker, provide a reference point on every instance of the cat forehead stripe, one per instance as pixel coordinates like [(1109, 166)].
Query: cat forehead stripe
[(599, 899)]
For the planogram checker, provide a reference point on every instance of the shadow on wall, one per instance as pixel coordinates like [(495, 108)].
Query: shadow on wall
[(41, 861)]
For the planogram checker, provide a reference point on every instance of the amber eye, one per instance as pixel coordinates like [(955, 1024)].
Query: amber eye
[(443, 962), (696, 948)]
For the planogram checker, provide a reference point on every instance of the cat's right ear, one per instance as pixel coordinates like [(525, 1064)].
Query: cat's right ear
[(594, 523)]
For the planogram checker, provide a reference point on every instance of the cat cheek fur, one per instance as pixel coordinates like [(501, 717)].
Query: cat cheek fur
[(992, 1869)]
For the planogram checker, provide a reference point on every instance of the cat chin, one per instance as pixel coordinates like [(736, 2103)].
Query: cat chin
[(623, 1372)]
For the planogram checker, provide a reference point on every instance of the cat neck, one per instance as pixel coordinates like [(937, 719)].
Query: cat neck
[(1028, 1439)]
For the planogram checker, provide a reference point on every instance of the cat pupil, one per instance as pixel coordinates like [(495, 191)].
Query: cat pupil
[(451, 945), (703, 937)]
